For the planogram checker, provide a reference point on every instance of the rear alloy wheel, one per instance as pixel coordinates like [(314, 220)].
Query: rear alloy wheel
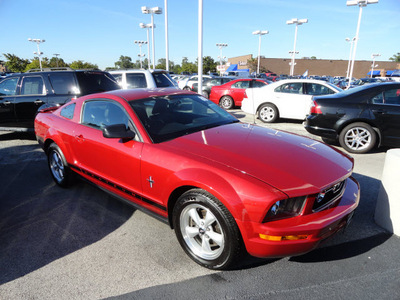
[(357, 138), (268, 113), (59, 169), (206, 230), (226, 102)]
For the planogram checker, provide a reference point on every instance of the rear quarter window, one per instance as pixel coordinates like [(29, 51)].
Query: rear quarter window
[(68, 111), (63, 83), (163, 80)]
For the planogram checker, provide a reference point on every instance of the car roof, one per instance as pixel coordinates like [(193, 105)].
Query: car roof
[(136, 94)]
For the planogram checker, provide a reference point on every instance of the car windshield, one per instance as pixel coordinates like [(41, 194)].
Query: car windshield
[(169, 117)]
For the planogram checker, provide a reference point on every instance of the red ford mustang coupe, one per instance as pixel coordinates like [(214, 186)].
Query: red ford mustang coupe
[(225, 187)]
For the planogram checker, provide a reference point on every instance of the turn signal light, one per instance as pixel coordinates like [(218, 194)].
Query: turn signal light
[(278, 238)]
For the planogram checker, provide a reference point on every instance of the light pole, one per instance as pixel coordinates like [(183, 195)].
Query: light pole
[(373, 63), (297, 22), (166, 35), (220, 46), (56, 55), (38, 41), (361, 4), (154, 10), (147, 26), (260, 33), (200, 47), (351, 48), (140, 43)]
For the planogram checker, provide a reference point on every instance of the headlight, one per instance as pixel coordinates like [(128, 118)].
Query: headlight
[(287, 208)]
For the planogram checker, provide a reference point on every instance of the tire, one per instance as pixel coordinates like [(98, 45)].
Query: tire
[(58, 166), (206, 230), (226, 102), (186, 88), (357, 138), (268, 113), (205, 94)]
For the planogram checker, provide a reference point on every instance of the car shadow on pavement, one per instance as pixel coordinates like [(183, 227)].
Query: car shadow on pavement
[(41, 222), (30, 135)]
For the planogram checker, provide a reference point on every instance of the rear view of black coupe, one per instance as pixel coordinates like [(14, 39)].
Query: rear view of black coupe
[(360, 118)]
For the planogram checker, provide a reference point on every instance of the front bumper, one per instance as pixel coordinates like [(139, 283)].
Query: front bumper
[(316, 227)]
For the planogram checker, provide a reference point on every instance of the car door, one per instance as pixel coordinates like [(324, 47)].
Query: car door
[(32, 94), (237, 91), (385, 108), (8, 89), (290, 100), (112, 161)]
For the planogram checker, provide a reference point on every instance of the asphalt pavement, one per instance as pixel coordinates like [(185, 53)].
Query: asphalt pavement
[(80, 243)]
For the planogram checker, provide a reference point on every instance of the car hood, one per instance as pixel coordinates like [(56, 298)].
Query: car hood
[(291, 163)]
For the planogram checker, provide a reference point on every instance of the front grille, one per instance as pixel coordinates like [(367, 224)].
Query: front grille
[(328, 197)]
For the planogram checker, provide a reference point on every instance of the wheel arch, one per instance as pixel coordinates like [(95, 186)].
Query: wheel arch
[(210, 182), (267, 102)]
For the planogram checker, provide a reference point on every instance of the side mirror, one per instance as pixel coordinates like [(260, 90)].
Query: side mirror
[(118, 131)]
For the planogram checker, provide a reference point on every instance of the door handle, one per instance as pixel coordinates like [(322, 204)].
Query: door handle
[(38, 101), (379, 111), (80, 138), (6, 102)]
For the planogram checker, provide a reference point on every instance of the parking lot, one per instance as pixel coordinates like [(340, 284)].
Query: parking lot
[(81, 243)]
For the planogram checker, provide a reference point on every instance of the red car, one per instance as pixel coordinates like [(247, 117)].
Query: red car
[(223, 186), (231, 93)]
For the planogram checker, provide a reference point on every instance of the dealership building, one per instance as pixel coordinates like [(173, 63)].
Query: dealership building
[(320, 67)]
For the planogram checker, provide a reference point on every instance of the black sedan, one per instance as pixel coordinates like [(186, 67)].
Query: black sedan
[(359, 118)]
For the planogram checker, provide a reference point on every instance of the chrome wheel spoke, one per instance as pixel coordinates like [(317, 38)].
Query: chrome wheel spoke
[(216, 237), (192, 231)]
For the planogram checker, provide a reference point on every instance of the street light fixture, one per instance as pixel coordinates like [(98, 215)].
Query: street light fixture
[(297, 22), (56, 55), (147, 26), (220, 46), (154, 10), (373, 63), (351, 48), (140, 43), (361, 4), (38, 41), (259, 33)]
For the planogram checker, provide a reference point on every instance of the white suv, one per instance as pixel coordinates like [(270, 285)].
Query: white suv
[(133, 79)]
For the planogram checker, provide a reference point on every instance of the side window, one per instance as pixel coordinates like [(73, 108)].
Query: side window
[(99, 114), (291, 88), (378, 99), (241, 85), (63, 83), (8, 86), (32, 86), (136, 80), (389, 97), (68, 111), (258, 84), (318, 89)]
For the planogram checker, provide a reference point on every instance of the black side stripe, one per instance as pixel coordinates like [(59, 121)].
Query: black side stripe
[(118, 187)]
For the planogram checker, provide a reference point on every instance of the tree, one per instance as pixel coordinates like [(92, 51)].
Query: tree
[(162, 64), (188, 66), (35, 64), (80, 64), (125, 62), (209, 65), (252, 63), (56, 62), (14, 63), (395, 57)]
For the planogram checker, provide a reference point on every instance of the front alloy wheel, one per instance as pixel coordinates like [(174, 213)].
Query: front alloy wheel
[(358, 138), (206, 230)]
